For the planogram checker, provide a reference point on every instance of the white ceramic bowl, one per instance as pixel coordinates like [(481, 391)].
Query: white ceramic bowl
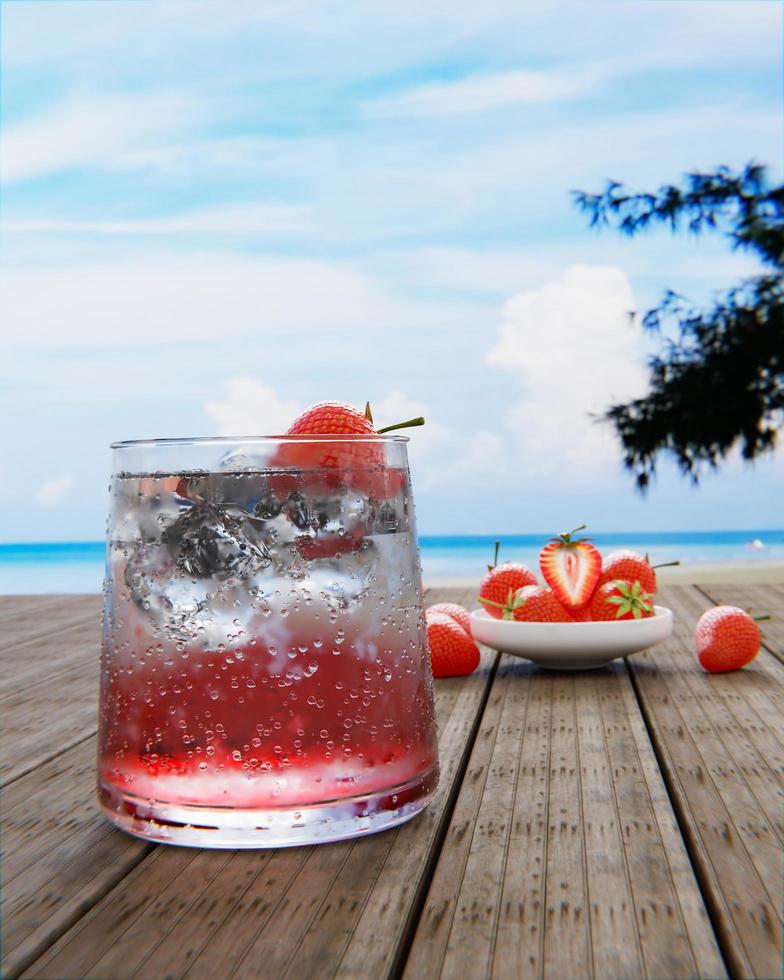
[(571, 646)]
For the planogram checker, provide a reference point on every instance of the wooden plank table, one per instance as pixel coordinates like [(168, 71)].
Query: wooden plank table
[(623, 822)]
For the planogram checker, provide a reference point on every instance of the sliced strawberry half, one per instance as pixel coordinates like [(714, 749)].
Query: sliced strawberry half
[(571, 567)]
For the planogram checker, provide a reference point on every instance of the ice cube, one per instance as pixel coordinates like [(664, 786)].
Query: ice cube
[(156, 586), (297, 510), (219, 540), (244, 458)]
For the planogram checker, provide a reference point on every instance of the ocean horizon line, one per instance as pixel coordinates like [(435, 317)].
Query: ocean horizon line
[(79, 566), (479, 538)]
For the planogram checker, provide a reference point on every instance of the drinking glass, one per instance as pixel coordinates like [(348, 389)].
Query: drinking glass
[(265, 678)]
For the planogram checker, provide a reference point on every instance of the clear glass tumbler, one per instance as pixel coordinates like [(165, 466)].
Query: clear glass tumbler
[(265, 679)]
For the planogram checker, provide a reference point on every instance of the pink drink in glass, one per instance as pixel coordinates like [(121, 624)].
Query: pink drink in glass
[(265, 678)]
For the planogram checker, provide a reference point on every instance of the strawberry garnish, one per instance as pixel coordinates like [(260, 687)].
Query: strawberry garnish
[(452, 651), (533, 604), (621, 599), (726, 638), (358, 460), (454, 611), (571, 567), (501, 582), (333, 418), (633, 567)]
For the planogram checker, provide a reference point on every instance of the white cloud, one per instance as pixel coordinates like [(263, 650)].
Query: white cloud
[(162, 298), (479, 93), (238, 219), (574, 351), (250, 407), (441, 457), (52, 492), (89, 131)]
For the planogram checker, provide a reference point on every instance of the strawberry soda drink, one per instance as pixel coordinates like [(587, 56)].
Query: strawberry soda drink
[(265, 678)]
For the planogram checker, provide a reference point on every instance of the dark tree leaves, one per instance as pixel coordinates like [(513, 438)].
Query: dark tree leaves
[(720, 383)]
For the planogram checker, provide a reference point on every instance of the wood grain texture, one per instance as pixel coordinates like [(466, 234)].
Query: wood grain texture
[(343, 909), (41, 721), (59, 856), (553, 847), (52, 615), (563, 857), (719, 742)]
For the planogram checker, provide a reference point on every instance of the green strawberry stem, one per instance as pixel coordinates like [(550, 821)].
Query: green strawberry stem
[(368, 413), (666, 564), (402, 425), (492, 602), (565, 537), (758, 619), (495, 557)]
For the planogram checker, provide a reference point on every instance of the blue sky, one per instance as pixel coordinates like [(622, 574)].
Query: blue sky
[(215, 214)]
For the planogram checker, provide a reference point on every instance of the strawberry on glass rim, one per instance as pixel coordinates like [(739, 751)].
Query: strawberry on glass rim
[(356, 460), (571, 567)]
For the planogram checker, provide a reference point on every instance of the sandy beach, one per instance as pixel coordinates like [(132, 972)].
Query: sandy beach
[(747, 573)]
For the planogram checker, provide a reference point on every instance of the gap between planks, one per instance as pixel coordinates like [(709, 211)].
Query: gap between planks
[(759, 952)]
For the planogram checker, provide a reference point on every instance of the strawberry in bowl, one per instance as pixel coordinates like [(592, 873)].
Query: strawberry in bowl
[(578, 620), (571, 567), (501, 582)]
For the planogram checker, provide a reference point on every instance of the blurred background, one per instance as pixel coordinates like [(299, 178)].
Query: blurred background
[(216, 214)]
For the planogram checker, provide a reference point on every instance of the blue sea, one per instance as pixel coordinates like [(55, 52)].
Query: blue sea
[(78, 567)]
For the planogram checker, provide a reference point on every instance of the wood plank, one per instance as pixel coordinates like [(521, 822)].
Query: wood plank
[(47, 718), (44, 620), (48, 659), (58, 855), (14, 606), (762, 600), (345, 908), (718, 740), (581, 871)]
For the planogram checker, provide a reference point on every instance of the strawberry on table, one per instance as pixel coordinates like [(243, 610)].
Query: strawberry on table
[(501, 582), (726, 638), (455, 611), (621, 599), (571, 567), (633, 567), (452, 651), (532, 604)]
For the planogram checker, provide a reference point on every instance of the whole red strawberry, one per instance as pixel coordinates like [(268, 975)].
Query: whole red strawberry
[(454, 611), (571, 567), (356, 460), (501, 582), (621, 599), (633, 567), (332, 418), (534, 604), (726, 638), (452, 651)]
